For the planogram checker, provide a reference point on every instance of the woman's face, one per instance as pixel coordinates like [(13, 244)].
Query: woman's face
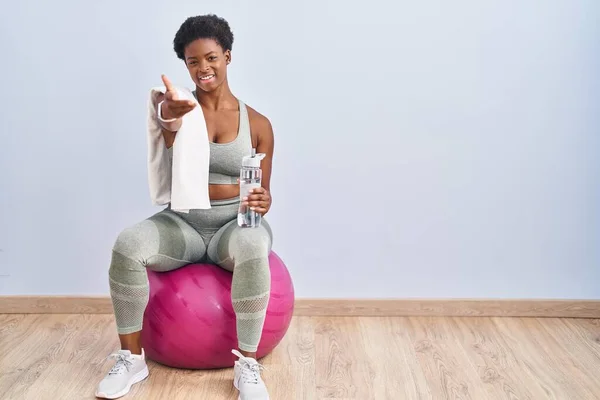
[(207, 63)]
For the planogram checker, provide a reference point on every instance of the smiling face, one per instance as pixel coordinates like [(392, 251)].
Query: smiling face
[(207, 63)]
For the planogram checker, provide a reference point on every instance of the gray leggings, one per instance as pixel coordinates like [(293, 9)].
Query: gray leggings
[(169, 240)]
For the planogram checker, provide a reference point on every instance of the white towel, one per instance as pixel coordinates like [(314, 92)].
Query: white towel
[(185, 184)]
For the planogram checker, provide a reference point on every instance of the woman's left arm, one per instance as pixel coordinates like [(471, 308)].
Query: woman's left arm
[(260, 199)]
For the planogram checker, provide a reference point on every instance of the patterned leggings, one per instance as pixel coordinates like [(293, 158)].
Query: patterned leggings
[(169, 240)]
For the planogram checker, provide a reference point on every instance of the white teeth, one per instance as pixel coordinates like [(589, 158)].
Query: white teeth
[(203, 78)]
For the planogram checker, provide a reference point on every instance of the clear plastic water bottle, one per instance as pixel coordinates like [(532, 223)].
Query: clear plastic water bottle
[(250, 178)]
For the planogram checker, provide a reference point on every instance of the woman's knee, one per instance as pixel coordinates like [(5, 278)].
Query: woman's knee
[(128, 281), (137, 241), (129, 253), (250, 243)]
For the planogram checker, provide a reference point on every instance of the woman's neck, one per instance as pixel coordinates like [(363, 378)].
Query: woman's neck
[(220, 98)]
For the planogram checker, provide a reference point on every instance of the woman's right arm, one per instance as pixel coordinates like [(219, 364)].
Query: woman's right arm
[(169, 128), (171, 111)]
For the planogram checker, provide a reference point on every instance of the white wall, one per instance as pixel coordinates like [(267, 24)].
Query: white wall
[(454, 145)]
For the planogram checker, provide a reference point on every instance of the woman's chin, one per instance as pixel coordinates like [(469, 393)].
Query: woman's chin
[(207, 85)]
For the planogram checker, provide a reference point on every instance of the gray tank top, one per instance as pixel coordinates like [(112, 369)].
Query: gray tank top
[(226, 158)]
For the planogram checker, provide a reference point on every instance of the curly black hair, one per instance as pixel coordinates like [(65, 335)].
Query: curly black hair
[(207, 26)]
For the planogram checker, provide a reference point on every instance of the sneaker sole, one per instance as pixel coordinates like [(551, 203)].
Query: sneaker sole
[(140, 376), (239, 398)]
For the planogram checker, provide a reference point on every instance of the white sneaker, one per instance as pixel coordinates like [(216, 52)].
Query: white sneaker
[(247, 379), (127, 371)]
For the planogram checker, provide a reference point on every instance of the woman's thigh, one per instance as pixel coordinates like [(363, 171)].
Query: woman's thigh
[(232, 243), (162, 242)]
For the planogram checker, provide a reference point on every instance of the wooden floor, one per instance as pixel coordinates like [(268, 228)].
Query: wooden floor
[(63, 357)]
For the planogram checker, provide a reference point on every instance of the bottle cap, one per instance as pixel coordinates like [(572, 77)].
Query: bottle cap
[(253, 160)]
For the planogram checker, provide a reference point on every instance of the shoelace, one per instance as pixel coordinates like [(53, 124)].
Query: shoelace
[(123, 363), (251, 372)]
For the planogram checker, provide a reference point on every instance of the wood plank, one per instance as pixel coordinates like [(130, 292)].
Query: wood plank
[(541, 362), (587, 331), (291, 370), (340, 367), (391, 360), (497, 365), (50, 356), (450, 374)]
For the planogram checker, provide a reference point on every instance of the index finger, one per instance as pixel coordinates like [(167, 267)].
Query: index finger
[(168, 84)]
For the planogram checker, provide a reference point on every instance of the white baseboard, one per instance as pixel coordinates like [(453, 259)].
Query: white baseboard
[(341, 307)]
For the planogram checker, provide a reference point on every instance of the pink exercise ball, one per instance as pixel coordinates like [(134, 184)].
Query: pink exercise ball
[(190, 322)]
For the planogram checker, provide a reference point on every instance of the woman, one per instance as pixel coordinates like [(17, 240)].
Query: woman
[(170, 239)]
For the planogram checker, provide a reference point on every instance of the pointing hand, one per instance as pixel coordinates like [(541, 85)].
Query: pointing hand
[(173, 107)]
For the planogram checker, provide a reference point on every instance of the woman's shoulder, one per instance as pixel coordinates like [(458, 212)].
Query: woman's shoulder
[(258, 121)]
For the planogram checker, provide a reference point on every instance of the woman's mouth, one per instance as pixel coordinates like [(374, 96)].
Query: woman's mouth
[(206, 78)]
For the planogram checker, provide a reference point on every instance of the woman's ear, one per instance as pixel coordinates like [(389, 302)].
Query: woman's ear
[(228, 57)]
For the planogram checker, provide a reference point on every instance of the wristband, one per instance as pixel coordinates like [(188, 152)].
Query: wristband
[(159, 112)]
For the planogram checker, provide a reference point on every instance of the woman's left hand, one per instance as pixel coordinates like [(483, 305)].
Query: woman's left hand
[(259, 200)]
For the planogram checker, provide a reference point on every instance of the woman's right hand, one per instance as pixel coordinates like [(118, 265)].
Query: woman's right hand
[(172, 106)]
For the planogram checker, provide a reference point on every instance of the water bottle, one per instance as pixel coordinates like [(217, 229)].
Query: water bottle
[(250, 178)]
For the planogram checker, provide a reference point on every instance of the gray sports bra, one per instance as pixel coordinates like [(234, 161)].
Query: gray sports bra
[(226, 158)]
